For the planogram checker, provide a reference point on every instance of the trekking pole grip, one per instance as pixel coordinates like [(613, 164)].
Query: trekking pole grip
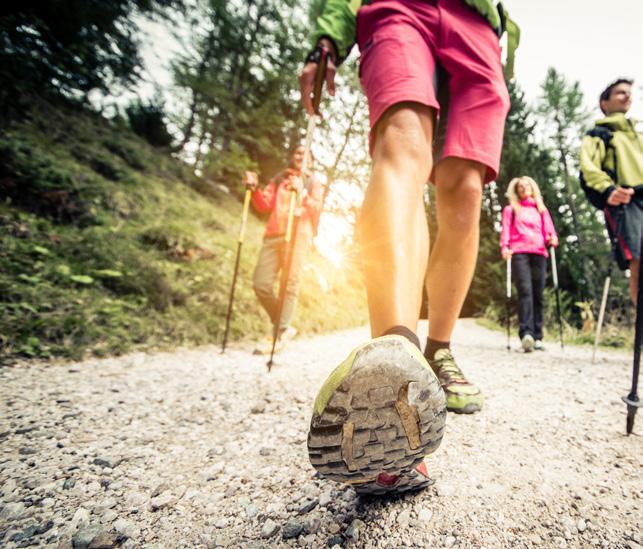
[(320, 76)]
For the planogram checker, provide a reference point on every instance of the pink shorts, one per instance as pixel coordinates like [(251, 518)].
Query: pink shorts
[(402, 42)]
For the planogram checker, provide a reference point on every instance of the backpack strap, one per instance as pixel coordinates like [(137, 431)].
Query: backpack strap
[(606, 135)]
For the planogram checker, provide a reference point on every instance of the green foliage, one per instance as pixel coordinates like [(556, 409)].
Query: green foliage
[(148, 121), (70, 46), (241, 78), (583, 254), (154, 267)]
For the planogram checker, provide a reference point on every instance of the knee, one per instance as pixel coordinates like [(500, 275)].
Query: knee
[(404, 136), (261, 288), (464, 181)]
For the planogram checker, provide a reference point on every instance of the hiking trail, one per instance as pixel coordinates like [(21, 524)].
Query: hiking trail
[(197, 449)]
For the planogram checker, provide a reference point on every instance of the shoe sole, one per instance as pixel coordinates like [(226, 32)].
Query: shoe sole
[(385, 415), (467, 409), (528, 346)]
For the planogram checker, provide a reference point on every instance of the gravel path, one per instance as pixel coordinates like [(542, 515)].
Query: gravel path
[(196, 449)]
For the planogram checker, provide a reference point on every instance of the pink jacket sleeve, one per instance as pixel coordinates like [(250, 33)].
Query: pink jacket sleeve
[(506, 227), (548, 226)]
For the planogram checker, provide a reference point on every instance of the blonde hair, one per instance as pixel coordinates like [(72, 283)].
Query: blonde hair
[(514, 199)]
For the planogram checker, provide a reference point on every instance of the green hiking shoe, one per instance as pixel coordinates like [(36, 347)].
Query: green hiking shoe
[(264, 347), (463, 396), (376, 417)]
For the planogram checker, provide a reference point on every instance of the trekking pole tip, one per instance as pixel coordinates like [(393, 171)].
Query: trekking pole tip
[(633, 404)]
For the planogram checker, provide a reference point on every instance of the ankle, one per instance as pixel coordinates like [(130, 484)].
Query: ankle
[(433, 345), (405, 332)]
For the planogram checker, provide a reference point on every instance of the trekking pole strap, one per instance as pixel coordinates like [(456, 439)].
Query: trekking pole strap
[(508, 293)]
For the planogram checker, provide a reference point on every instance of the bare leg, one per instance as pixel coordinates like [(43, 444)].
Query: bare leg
[(634, 280), (453, 259), (393, 230)]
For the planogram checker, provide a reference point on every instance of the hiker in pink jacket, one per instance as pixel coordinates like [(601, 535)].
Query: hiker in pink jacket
[(527, 232)]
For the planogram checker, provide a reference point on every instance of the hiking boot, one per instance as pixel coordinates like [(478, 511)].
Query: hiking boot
[(528, 343), (265, 345), (463, 396), (538, 345), (376, 417)]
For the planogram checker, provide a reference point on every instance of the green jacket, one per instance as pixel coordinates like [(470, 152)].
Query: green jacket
[(338, 22), (596, 160)]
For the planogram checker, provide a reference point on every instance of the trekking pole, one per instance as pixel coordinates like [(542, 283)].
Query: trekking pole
[(554, 274), (601, 312), (507, 303), (632, 399), (296, 198), (242, 230)]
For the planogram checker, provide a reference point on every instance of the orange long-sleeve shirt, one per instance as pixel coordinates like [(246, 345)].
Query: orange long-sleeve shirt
[(275, 198)]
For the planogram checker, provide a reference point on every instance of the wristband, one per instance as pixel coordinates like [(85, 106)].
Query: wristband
[(314, 55)]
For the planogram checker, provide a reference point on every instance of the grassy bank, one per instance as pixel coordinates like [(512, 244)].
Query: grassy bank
[(107, 245)]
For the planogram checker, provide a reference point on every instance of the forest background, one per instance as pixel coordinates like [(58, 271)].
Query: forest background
[(119, 210)]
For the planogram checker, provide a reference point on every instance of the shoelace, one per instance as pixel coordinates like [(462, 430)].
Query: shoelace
[(447, 368)]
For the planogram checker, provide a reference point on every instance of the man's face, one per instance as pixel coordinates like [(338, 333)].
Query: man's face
[(297, 158), (620, 99)]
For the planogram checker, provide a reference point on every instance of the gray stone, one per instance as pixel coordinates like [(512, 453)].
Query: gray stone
[(292, 529), (307, 506), (269, 528), (325, 499), (449, 541), (221, 523), (353, 531), (160, 488), (14, 511), (80, 519), (404, 518), (126, 528), (163, 500), (108, 462), (27, 451), (104, 540), (251, 510), (424, 515), (69, 483), (85, 536)]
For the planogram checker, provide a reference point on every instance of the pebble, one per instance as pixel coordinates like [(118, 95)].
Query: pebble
[(307, 506), (404, 518), (449, 541), (444, 490), (161, 501), (269, 528), (202, 456), (126, 528), (292, 529)]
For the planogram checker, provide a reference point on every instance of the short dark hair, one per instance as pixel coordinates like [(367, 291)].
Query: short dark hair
[(605, 94)]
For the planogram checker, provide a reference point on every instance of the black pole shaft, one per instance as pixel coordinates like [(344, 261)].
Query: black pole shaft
[(632, 399), (508, 303), (231, 301), (285, 275)]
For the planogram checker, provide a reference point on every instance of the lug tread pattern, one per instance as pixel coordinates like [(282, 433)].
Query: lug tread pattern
[(367, 400)]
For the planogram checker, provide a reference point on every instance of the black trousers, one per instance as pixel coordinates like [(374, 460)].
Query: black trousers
[(529, 271)]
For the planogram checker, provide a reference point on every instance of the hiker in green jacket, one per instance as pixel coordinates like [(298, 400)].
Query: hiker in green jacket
[(611, 164), (384, 408)]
